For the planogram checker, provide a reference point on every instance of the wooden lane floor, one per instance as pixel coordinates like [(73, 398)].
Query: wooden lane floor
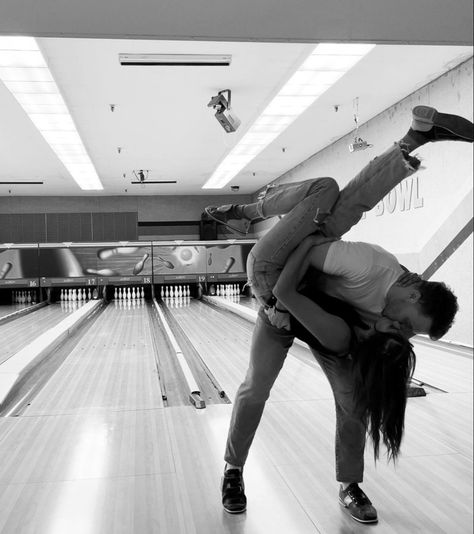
[(223, 341), (443, 365), (7, 309), (95, 429), (248, 302), (97, 453), (112, 368), (17, 333)]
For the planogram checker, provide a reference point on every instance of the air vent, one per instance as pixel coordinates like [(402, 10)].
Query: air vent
[(21, 183), (183, 60), (156, 182)]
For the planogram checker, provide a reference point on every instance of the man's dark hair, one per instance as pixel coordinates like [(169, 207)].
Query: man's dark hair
[(440, 303)]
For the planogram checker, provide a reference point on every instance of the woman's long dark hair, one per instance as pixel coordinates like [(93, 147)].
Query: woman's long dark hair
[(383, 366)]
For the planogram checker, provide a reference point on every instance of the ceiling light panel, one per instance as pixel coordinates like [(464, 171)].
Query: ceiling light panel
[(167, 60), (32, 87), (25, 73), (326, 64)]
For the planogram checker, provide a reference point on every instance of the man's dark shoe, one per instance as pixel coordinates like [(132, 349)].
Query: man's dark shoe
[(227, 216), (358, 504), (233, 492), (441, 126)]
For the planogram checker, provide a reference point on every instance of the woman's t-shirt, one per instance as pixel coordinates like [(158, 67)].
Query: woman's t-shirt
[(360, 274)]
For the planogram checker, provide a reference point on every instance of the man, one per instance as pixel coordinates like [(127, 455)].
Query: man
[(364, 275)]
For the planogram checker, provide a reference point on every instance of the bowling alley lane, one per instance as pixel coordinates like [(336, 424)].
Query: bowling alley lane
[(19, 332), (112, 367), (7, 309), (223, 339)]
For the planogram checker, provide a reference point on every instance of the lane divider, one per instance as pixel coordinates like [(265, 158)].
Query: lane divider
[(193, 388), (23, 311), (17, 367)]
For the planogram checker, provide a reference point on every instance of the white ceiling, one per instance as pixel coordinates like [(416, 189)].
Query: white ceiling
[(162, 122)]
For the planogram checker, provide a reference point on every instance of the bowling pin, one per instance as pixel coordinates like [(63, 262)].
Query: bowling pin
[(228, 265), (5, 269), (139, 266)]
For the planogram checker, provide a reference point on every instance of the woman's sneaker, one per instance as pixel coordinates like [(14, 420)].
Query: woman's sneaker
[(228, 216), (358, 504), (233, 492)]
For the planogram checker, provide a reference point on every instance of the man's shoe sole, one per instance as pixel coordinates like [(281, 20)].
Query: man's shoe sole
[(226, 224), (356, 518), (426, 117), (235, 511)]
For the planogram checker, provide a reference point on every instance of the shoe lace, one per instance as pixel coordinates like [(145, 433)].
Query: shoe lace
[(358, 496), (233, 483)]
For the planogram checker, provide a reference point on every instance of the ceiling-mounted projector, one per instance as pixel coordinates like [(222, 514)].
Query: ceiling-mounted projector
[(224, 114), (358, 144)]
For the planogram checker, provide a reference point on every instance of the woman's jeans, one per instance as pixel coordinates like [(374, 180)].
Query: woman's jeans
[(312, 205)]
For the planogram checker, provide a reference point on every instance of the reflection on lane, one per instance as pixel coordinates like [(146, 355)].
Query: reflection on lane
[(19, 332)]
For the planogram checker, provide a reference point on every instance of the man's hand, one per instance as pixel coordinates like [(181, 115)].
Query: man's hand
[(278, 319), (409, 279)]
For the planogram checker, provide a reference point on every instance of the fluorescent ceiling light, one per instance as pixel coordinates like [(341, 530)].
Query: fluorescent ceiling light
[(25, 73), (167, 60), (326, 64)]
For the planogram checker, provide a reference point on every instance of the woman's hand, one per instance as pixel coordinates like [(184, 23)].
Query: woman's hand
[(278, 318)]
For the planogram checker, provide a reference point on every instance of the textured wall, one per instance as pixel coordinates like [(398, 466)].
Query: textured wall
[(157, 209), (152, 208)]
